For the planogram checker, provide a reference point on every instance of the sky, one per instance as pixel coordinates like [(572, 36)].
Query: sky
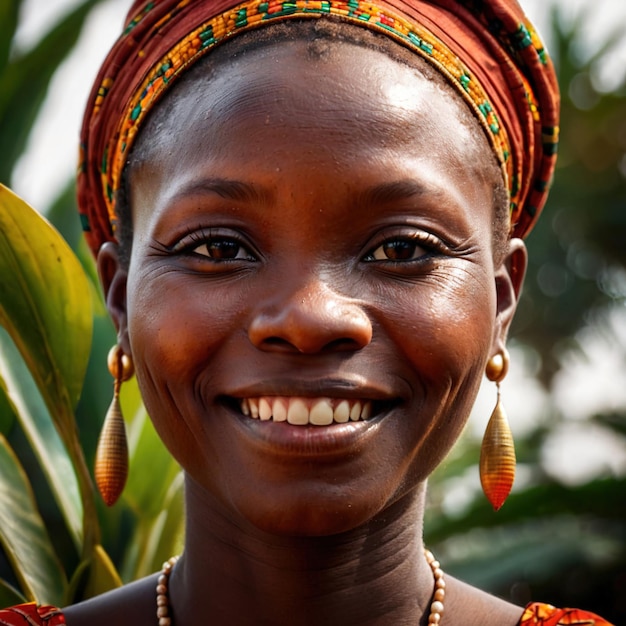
[(589, 380)]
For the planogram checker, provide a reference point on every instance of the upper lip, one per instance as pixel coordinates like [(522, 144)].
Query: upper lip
[(327, 388)]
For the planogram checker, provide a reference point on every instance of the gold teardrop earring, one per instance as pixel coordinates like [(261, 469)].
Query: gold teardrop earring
[(111, 466), (497, 453)]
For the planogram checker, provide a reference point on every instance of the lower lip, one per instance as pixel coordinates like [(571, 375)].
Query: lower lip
[(309, 441)]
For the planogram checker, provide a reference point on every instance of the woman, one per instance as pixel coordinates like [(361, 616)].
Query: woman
[(308, 218)]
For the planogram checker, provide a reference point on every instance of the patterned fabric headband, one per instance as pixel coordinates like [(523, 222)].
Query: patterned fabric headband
[(485, 48)]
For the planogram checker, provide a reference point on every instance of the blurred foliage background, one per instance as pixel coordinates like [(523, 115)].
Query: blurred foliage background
[(555, 539)]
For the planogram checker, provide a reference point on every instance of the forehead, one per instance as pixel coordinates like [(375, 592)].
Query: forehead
[(338, 88), (313, 134)]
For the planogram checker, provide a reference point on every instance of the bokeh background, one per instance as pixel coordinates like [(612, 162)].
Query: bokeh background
[(561, 536)]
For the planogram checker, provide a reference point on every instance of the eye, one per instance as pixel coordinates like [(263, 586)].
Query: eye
[(222, 249), (211, 245), (397, 250), (405, 247)]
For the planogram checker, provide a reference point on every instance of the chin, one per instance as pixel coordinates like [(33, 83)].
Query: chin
[(310, 516)]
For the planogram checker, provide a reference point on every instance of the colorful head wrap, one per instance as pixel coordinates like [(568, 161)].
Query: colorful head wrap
[(486, 48)]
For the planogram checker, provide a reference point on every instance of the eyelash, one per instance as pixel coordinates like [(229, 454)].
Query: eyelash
[(208, 237), (194, 239), (430, 244)]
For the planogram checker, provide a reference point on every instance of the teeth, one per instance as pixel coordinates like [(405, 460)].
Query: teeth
[(366, 413), (265, 409), (304, 411), (280, 410), (342, 412), (297, 413), (355, 412), (321, 414)]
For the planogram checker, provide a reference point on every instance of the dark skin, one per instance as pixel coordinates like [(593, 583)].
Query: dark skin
[(324, 232)]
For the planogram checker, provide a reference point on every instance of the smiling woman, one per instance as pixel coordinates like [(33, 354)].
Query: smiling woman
[(307, 218), (300, 269)]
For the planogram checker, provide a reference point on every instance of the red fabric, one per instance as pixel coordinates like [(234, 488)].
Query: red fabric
[(31, 615), (491, 37), (538, 614)]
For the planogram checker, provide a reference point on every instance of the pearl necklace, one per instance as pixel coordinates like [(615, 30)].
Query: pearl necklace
[(436, 607), (163, 602), (162, 595)]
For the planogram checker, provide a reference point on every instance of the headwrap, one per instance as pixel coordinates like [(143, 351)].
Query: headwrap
[(487, 50)]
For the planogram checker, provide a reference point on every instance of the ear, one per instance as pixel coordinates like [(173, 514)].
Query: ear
[(509, 279), (113, 278)]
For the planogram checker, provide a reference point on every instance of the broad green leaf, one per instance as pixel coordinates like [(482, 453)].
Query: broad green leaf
[(45, 306), (92, 577), (38, 426), (9, 596), (102, 574), (168, 533), (157, 539), (7, 411), (62, 215), (146, 490), (23, 534), (9, 13), (77, 583)]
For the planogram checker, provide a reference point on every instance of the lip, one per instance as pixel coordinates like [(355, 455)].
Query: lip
[(311, 441), (307, 442), (351, 388)]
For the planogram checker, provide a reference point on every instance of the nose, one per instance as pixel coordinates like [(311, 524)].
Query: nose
[(310, 320)]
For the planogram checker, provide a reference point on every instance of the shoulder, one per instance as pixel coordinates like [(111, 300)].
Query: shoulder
[(538, 614), (470, 606), (30, 614), (131, 605)]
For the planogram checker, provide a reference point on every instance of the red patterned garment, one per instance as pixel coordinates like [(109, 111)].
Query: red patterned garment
[(536, 614), (31, 615)]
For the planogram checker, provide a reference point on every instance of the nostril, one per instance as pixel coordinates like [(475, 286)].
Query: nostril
[(278, 342), (336, 345), (342, 345)]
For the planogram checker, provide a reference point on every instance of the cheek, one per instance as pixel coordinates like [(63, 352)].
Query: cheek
[(447, 321), (442, 331), (178, 322), (176, 331)]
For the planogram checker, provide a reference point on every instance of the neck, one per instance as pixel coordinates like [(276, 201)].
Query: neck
[(231, 572)]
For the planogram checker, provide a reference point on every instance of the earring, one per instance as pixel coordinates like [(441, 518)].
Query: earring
[(111, 466), (497, 453)]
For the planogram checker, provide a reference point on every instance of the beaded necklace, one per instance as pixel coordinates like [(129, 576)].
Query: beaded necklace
[(163, 602)]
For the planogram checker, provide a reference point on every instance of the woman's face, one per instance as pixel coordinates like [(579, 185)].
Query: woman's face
[(313, 241)]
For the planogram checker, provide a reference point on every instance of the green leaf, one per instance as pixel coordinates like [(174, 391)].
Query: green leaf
[(45, 305), (9, 596), (7, 411), (168, 534), (145, 491), (92, 577), (102, 574), (25, 81), (38, 427), (23, 534), (9, 13)]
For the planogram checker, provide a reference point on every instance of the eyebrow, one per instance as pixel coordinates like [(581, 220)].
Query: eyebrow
[(240, 191), (225, 188), (396, 190)]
